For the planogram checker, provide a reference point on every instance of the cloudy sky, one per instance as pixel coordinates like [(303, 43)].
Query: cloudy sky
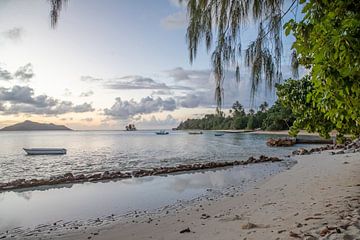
[(108, 63)]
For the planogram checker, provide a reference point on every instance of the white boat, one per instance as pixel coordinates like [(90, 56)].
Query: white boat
[(45, 151)]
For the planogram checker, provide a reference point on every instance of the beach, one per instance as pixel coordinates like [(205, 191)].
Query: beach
[(315, 195), (318, 198)]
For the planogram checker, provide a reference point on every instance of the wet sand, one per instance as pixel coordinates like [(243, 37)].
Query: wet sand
[(318, 198), (68, 207)]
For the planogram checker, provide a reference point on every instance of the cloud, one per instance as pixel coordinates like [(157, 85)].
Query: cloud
[(87, 119), (5, 74), (81, 108), (175, 21), (25, 73), (192, 76), (21, 99), (162, 92), (125, 109), (86, 94), (139, 82), (154, 122), (135, 82), (14, 33), (67, 92), (90, 79), (190, 100)]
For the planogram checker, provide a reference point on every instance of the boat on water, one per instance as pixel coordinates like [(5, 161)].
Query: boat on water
[(194, 133), (218, 134), (162, 132), (45, 151)]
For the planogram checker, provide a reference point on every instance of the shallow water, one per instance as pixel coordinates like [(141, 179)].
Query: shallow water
[(98, 151), (46, 205)]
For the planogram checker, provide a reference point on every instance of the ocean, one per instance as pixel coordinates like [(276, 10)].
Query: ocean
[(84, 204), (99, 151)]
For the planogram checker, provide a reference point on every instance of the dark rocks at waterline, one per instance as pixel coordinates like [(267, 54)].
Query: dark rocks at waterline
[(347, 147), (186, 230), (281, 142), (107, 175)]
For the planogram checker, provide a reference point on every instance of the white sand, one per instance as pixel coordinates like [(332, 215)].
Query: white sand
[(321, 190)]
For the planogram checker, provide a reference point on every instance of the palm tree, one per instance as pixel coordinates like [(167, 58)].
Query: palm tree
[(56, 6), (225, 19), (238, 108), (263, 107)]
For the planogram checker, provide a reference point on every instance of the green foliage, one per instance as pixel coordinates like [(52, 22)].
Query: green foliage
[(327, 42), (294, 94), (250, 123), (276, 118)]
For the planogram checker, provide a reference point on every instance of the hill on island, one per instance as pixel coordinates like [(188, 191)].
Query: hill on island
[(34, 126)]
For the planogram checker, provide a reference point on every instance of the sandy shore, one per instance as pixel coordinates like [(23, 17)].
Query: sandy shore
[(286, 133), (318, 198)]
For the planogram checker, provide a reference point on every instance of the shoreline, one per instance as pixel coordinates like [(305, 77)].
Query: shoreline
[(319, 196), (70, 178), (92, 204)]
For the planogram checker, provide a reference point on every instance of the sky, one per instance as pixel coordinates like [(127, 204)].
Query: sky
[(109, 63)]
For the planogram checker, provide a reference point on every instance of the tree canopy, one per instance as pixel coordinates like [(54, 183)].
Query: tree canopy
[(327, 43), (277, 117)]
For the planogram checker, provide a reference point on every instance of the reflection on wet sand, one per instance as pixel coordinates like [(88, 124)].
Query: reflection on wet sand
[(80, 202)]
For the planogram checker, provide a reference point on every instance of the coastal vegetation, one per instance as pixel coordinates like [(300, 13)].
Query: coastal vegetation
[(277, 117), (326, 43)]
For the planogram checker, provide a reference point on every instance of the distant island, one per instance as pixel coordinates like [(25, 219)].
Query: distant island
[(35, 126), (130, 127)]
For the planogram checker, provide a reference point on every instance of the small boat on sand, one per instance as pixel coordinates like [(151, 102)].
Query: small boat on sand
[(45, 151), (218, 134), (162, 132), (194, 133)]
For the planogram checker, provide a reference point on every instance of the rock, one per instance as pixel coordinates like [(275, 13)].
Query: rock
[(95, 176), (249, 225), (299, 225), (186, 230), (280, 142), (324, 231), (80, 177), (204, 216), (106, 174), (294, 235), (301, 151), (348, 237), (310, 238), (69, 176)]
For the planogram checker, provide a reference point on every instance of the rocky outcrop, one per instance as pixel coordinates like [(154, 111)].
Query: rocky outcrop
[(107, 175), (347, 147), (281, 142)]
